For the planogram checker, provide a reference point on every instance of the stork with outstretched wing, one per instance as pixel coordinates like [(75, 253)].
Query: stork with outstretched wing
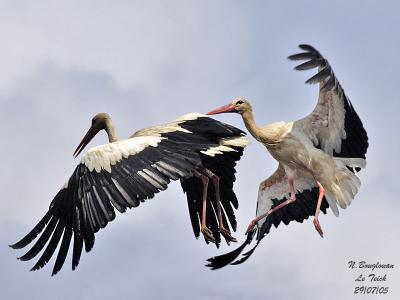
[(122, 173), (318, 157)]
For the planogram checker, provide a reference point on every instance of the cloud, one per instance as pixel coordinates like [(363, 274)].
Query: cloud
[(132, 40)]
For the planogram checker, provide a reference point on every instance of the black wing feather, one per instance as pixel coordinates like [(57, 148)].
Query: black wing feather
[(41, 242), (87, 202), (62, 253), (33, 233), (221, 165), (51, 247), (296, 211)]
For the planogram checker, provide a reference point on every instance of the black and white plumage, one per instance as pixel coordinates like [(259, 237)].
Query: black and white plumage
[(123, 173), (335, 142)]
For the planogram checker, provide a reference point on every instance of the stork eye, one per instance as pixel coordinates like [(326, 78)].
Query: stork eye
[(239, 102)]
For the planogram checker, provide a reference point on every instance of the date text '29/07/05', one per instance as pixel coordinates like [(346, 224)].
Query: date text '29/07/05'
[(371, 273)]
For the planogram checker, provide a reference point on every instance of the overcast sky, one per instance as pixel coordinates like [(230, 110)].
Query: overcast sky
[(148, 62)]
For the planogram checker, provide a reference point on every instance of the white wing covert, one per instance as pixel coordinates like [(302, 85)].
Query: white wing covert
[(275, 190)]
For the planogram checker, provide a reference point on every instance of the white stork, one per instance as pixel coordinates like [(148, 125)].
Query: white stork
[(318, 156), (123, 173)]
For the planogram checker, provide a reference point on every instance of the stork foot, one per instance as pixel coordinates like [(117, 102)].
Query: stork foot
[(227, 235), (318, 227), (208, 234), (251, 226)]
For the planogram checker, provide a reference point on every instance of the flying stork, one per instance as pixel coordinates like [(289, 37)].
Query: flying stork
[(318, 157), (122, 173)]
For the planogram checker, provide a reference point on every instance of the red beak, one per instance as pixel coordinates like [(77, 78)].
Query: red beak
[(86, 139), (230, 108)]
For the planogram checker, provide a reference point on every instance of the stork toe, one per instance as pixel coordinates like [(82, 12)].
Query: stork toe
[(227, 235), (318, 227), (208, 234), (251, 226)]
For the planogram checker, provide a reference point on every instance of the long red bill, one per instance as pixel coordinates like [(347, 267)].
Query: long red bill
[(223, 109)]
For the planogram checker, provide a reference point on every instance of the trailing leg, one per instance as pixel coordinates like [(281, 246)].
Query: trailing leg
[(215, 179), (204, 229), (317, 210), (288, 201)]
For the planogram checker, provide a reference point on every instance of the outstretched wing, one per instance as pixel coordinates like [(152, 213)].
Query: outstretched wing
[(117, 175), (225, 145), (221, 160), (275, 190), (334, 125)]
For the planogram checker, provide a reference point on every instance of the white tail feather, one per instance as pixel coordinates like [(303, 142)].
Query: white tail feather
[(345, 183), (351, 162), (332, 203)]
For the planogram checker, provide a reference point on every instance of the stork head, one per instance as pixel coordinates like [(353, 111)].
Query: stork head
[(238, 105), (99, 122)]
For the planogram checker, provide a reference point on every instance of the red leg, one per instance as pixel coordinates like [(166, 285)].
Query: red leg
[(288, 201), (215, 179), (204, 229), (225, 232), (320, 197)]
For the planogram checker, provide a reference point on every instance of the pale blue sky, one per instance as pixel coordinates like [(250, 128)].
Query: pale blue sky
[(149, 62)]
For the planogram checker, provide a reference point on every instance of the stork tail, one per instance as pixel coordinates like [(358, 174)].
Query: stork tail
[(346, 183), (246, 255), (223, 260)]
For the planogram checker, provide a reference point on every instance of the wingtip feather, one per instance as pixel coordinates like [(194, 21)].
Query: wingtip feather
[(14, 246)]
